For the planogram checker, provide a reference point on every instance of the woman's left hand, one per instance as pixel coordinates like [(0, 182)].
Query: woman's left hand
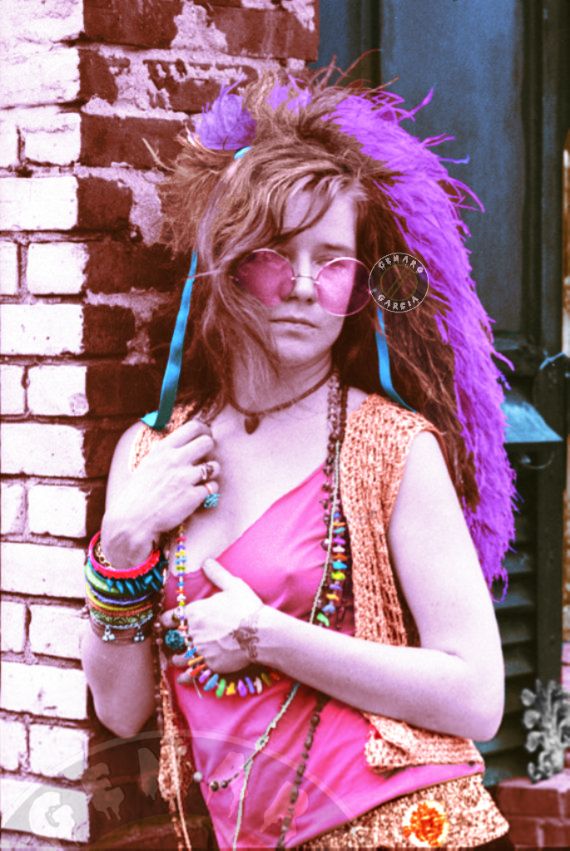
[(212, 621)]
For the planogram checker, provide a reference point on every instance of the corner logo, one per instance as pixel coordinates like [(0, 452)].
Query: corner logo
[(398, 282)]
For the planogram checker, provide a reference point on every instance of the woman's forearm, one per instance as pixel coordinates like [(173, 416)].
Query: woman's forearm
[(427, 688), (121, 680)]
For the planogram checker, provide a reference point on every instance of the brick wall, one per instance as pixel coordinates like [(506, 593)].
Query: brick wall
[(81, 276)]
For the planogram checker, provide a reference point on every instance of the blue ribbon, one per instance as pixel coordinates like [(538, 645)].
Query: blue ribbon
[(384, 364), (158, 419)]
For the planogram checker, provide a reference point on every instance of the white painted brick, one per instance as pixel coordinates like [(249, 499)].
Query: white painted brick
[(41, 329), (41, 21), (12, 744), (43, 570), (8, 143), (36, 74), (58, 751), (54, 390), (13, 632), (56, 631), (57, 510), (44, 690), (12, 393), (56, 140), (8, 268), (38, 203), (56, 267), (44, 809), (42, 449), (13, 508)]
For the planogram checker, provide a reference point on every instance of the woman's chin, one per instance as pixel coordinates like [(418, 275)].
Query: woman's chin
[(290, 353)]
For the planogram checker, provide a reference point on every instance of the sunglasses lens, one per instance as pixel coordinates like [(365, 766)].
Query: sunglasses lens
[(266, 275), (343, 286)]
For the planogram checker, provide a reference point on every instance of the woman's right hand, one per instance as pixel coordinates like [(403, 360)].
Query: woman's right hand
[(162, 492)]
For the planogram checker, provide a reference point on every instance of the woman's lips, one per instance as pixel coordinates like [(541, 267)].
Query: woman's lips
[(294, 323)]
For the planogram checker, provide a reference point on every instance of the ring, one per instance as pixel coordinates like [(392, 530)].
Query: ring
[(213, 497), (204, 473), (174, 641)]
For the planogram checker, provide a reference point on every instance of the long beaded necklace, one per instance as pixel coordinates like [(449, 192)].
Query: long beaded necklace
[(326, 604)]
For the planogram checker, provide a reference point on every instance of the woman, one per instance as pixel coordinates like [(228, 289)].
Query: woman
[(322, 685)]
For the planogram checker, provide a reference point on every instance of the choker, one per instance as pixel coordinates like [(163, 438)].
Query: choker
[(253, 418)]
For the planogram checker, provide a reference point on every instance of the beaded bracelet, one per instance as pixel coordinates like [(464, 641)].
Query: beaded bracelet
[(128, 633), (122, 600)]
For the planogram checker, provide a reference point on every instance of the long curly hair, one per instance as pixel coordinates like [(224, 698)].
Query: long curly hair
[(336, 138)]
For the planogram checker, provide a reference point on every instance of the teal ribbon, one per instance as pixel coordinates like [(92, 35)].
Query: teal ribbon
[(384, 364), (158, 419)]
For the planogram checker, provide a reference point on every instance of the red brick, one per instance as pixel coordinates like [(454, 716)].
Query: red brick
[(114, 266), (95, 509), (524, 829), (519, 795), (102, 205), (150, 24), (98, 447), (556, 833), (178, 80), (275, 34), (119, 389), (107, 330), (96, 78), (106, 139)]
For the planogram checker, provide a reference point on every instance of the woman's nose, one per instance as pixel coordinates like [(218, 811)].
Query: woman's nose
[(304, 278)]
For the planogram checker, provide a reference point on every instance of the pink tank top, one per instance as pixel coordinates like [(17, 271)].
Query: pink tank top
[(280, 556)]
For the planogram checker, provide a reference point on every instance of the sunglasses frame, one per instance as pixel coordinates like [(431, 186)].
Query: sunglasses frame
[(314, 279)]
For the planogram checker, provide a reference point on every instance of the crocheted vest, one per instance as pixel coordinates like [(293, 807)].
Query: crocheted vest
[(378, 437)]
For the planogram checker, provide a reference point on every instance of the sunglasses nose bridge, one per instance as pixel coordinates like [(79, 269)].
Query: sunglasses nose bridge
[(303, 276)]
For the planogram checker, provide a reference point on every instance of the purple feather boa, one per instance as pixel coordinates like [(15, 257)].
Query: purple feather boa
[(428, 199)]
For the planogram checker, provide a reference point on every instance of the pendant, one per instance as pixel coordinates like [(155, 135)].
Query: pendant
[(251, 423)]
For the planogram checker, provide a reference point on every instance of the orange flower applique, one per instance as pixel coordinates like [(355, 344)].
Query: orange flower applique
[(426, 824)]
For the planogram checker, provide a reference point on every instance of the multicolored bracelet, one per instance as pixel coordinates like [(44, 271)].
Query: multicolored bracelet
[(122, 601), (127, 633)]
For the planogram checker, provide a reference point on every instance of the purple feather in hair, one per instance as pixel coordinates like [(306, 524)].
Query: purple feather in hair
[(226, 125), (280, 93), (427, 198)]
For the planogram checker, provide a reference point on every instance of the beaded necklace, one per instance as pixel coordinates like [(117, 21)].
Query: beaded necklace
[(326, 604)]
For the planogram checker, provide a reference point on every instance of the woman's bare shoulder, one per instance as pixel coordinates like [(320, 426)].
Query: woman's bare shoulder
[(356, 397)]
